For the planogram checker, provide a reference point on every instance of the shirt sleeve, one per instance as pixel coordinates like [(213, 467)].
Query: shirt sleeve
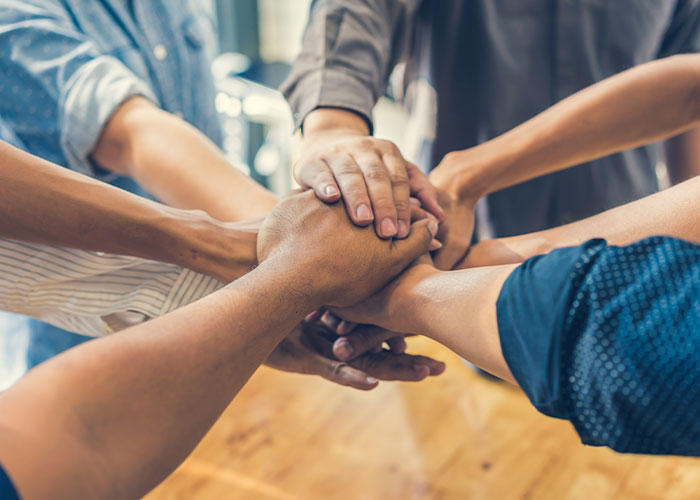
[(348, 52), (92, 293), (56, 83), (683, 33), (608, 338), (7, 489)]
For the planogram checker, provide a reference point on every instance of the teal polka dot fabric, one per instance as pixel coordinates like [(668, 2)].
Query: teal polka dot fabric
[(613, 342)]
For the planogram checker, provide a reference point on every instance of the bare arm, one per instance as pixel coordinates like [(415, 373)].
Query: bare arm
[(43, 203), (115, 433), (650, 102), (177, 163), (672, 212)]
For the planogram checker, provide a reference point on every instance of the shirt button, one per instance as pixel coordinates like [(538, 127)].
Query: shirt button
[(160, 52)]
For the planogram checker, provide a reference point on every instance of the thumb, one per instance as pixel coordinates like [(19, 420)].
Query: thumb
[(417, 242)]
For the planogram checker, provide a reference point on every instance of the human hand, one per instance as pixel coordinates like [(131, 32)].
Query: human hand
[(391, 307), (308, 349), (456, 231), (338, 263), (339, 159)]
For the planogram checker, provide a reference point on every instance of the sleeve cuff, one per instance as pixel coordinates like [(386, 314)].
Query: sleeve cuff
[(93, 94), (531, 310), (329, 88)]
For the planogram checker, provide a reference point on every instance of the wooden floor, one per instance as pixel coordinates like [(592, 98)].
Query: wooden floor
[(456, 436)]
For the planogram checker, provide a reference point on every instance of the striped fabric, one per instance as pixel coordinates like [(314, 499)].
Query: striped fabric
[(92, 293)]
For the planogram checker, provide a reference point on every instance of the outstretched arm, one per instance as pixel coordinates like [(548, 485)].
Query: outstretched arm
[(603, 336), (653, 101), (672, 212), (44, 203), (115, 433)]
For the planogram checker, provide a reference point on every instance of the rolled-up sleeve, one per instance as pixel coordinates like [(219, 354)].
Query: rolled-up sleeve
[(57, 86), (609, 338), (348, 53)]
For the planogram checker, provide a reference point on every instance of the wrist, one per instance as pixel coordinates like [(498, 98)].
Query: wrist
[(224, 251), (471, 174), (409, 303), (336, 121)]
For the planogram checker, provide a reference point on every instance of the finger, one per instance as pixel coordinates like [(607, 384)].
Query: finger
[(345, 327), (378, 181), (314, 316), (318, 176), (351, 182), (422, 189), (417, 242), (341, 373), (389, 366), (400, 188), (417, 213), (361, 341), (330, 320), (397, 345)]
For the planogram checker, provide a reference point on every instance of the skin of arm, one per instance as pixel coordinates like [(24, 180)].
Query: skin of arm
[(458, 308), (44, 203), (672, 212), (605, 118), (95, 430), (72, 210), (177, 163)]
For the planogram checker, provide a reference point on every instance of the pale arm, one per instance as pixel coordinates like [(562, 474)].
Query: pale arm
[(672, 212), (43, 203), (177, 163), (644, 104)]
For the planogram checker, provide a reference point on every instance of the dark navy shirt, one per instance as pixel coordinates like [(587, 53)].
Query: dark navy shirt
[(7, 489), (609, 338)]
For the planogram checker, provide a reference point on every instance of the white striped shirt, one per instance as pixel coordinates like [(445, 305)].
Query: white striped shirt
[(92, 293)]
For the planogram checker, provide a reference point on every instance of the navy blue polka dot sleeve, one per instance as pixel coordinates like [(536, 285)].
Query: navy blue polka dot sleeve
[(609, 338)]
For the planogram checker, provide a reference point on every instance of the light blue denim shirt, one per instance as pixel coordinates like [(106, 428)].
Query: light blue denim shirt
[(67, 65)]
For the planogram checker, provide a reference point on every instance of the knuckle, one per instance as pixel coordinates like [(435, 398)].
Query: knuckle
[(399, 179), (377, 172)]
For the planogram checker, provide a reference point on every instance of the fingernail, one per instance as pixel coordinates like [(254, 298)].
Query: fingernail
[(422, 369), (364, 213), (388, 228), (344, 349), (371, 380), (403, 229), (434, 245), (344, 328), (433, 227), (330, 191)]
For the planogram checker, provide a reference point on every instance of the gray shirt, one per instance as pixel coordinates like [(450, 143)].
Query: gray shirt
[(494, 64)]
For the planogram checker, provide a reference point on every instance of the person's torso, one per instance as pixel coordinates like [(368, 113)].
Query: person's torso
[(496, 63)]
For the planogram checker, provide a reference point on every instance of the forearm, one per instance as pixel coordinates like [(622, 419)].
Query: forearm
[(672, 212), (641, 105), (455, 308), (178, 164), (184, 369), (72, 210)]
